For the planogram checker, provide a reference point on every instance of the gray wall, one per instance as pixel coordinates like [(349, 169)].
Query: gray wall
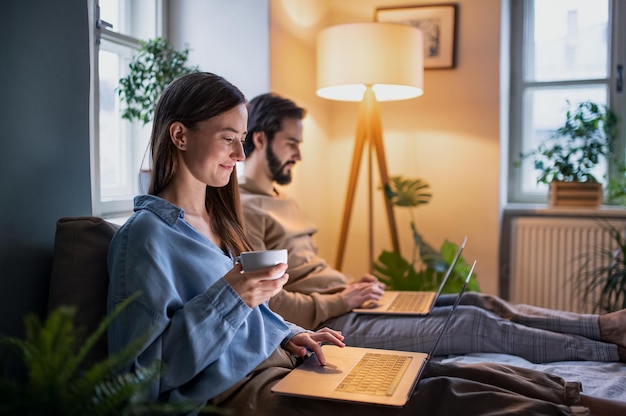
[(44, 174), (229, 38)]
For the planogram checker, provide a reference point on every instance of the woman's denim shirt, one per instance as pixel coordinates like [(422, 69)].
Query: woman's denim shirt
[(200, 329)]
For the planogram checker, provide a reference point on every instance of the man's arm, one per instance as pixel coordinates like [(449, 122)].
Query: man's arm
[(311, 296), (254, 226), (308, 310)]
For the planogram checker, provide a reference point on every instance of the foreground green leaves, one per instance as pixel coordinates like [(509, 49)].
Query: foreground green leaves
[(57, 381)]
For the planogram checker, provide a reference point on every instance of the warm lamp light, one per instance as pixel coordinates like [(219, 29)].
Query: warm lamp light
[(388, 57), (368, 63)]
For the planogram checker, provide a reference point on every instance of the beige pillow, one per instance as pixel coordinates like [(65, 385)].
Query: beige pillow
[(79, 272)]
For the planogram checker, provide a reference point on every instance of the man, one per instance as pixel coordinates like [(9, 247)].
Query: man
[(318, 295)]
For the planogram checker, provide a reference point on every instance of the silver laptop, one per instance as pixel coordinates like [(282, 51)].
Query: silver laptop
[(365, 375), (410, 302)]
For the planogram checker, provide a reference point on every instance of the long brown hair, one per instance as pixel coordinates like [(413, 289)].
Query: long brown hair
[(191, 99)]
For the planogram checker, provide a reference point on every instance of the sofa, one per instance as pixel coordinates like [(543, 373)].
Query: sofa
[(79, 276)]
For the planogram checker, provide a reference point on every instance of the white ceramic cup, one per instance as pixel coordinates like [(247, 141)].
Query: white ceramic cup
[(255, 260)]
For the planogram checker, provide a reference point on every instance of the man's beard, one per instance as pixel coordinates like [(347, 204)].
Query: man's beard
[(276, 168)]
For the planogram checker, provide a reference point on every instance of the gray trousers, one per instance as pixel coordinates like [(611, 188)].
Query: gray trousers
[(483, 323)]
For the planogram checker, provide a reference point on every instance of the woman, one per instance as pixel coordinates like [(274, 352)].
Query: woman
[(208, 321)]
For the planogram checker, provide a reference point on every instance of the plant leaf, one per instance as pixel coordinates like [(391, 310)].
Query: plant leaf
[(407, 192), (152, 69), (58, 383), (601, 278)]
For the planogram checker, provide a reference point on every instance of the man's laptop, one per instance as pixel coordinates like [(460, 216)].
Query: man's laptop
[(410, 302), (366, 375)]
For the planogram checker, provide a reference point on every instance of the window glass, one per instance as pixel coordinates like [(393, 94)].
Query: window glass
[(110, 13), (114, 132), (561, 51), (120, 147), (568, 40), (134, 18), (545, 110)]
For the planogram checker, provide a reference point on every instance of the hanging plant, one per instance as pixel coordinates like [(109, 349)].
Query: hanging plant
[(156, 64)]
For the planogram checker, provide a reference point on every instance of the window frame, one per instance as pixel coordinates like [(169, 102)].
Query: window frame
[(99, 30), (520, 10)]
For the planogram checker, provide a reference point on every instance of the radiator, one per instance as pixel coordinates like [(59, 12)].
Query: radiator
[(545, 257)]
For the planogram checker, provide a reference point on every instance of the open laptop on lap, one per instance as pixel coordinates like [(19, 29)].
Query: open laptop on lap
[(392, 377), (395, 302)]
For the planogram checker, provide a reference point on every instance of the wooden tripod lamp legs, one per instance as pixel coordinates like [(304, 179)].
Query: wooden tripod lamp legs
[(368, 128)]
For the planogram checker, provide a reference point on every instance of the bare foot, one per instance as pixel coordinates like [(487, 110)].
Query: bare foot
[(613, 327)]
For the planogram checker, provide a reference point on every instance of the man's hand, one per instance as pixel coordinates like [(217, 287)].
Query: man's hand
[(367, 288), (307, 341)]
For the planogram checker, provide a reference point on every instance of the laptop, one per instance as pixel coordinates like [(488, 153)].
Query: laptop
[(395, 302), (392, 378)]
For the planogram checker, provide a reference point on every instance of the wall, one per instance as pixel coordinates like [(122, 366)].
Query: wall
[(449, 137), (227, 38), (44, 174)]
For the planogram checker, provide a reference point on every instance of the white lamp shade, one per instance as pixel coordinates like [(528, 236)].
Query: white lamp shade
[(388, 57)]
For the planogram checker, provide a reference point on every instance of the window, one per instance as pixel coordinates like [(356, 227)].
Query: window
[(119, 146), (560, 50)]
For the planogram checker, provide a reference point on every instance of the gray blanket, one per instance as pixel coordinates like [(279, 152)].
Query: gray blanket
[(599, 379)]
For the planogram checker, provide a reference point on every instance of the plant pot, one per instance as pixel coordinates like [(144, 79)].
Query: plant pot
[(575, 194)]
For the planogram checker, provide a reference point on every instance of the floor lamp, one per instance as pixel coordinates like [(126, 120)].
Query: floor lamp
[(369, 63)]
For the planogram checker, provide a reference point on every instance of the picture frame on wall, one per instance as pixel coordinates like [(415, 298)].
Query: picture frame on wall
[(438, 26)]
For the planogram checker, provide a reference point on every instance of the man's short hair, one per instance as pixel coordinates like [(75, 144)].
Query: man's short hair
[(266, 113)]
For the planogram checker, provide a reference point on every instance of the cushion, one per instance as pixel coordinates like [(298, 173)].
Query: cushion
[(79, 275)]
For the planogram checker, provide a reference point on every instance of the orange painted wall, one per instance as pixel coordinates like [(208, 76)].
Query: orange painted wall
[(449, 137)]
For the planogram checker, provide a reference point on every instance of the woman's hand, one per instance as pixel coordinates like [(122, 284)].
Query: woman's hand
[(303, 342), (255, 287)]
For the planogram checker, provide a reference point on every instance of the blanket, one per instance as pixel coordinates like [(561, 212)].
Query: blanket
[(600, 379)]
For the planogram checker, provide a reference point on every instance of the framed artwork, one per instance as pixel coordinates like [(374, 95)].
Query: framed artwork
[(438, 26)]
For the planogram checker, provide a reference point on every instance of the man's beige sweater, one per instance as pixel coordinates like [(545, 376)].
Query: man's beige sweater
[(274, 221)]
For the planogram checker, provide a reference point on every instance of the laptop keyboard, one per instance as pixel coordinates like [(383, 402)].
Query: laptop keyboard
[(376, 374), (409, 302)]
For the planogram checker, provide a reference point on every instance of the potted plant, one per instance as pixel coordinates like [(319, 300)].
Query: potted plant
[(427, 266), (58, 378), (567, 159), (601, 278), (156, 64)]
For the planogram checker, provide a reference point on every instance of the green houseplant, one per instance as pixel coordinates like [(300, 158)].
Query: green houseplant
[(575, 149), (601, 278), (58, 380), (156, 64), (151, 70), (617, 186), (427, 266)]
